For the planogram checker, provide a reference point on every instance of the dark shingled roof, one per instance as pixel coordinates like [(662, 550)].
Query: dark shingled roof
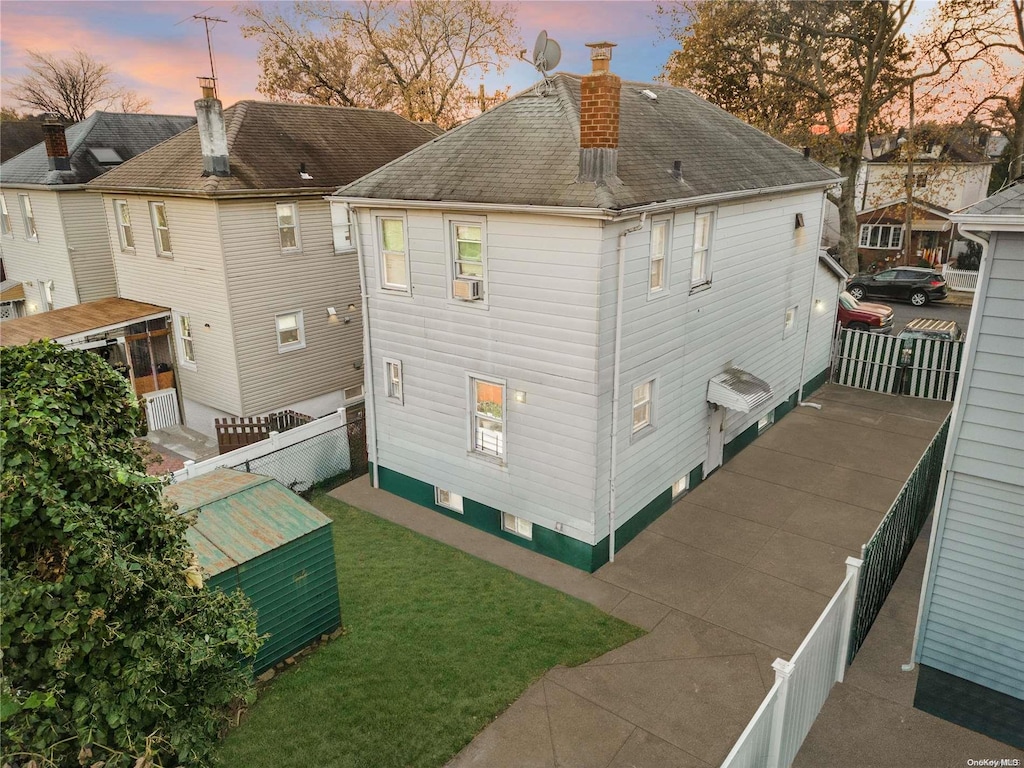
[(1006, 202), (952, 152), (127, 134), (525, 151), (267, 143)]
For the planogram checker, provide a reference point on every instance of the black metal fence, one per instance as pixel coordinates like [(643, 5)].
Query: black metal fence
[(886, 552)]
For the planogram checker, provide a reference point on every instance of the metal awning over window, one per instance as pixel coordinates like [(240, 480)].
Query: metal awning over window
[(738, 390)]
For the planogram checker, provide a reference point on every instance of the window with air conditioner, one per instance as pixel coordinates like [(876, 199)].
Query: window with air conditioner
[(468, 257)]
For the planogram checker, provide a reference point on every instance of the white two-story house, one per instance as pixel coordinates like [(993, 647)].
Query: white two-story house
[(53, 238), (227, 227), (582, 302)]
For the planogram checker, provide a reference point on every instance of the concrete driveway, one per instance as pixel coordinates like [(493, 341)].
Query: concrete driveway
[(730, 578)]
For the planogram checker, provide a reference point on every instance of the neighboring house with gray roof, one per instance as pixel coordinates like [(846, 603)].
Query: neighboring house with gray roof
[(581, 302), (970, 634), (226, 224), (52, 233)]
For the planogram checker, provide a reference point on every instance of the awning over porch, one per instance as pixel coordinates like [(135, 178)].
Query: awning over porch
[(63, 325), (738, 390)]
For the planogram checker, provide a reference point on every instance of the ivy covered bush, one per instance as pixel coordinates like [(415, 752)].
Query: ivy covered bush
[(114, 654)]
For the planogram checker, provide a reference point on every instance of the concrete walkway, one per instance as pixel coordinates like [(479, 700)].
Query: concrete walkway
[(869, 720), (730, 578)]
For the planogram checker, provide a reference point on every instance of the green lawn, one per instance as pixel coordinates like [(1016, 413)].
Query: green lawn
[(437, 644)]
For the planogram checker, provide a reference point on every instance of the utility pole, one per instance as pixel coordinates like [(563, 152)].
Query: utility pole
[(909, 148)]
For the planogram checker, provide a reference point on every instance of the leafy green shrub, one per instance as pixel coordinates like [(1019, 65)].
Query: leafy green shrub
[(109, 655)]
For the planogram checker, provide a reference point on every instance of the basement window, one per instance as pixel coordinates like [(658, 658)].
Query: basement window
[(448, 500), (516, 525), (765, 421), (680, 486)]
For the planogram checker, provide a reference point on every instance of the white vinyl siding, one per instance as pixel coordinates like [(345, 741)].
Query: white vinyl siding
[(288, 227), (47, 257), (887, 236), (394, 254), (122, 215), (28, 218), (5, 218), (88, 244), (184, 340), (291, 332), (703, 236), (161, 229)]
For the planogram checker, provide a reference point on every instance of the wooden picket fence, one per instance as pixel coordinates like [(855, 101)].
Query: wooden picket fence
[(238, 432)]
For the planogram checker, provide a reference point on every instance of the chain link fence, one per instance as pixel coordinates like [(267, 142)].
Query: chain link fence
[(886, 552)]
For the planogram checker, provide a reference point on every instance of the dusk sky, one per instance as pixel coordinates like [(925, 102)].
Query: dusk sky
[(152, 53)]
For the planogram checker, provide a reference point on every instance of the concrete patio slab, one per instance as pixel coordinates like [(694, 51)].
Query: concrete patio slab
[(584, 734), (717, 533), (645, 750), (834, 522), (641, 611), (811, 564)]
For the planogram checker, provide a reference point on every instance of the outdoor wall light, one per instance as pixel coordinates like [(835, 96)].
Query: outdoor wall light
[(351, 307), (520, 396), (332, 312), (819, 305), (206, 327)]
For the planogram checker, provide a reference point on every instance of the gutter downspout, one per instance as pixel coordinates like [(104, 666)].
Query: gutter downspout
[(615, 382), (954, 426), (810, 310), (368, 398)]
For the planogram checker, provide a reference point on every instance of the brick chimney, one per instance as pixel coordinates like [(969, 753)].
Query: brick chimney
[(56, 145), (599, 116), (213, 138)]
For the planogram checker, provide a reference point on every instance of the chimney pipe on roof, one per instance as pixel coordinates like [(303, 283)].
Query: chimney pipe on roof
[(213, 138), (56, 144), (599, 116)]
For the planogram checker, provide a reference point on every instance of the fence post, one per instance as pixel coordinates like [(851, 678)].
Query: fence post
[(853, 574), (783, 669), (187, 466), (341, 413), (274, 434)]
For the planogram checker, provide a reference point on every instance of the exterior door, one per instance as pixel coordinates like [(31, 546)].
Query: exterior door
[(716, 439)]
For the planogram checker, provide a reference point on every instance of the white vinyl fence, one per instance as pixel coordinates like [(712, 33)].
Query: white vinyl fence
[(299, 458), (162, 409), (782, 722), (960, 279)]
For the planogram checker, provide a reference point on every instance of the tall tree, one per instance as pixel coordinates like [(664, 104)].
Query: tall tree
[(414, 58), (72, 87), (113, 653), (840, 65)]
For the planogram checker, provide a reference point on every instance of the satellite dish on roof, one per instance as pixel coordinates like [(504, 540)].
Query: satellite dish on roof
[(546, 53)]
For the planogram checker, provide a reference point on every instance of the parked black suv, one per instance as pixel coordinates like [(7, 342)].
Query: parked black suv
[(918, 285)]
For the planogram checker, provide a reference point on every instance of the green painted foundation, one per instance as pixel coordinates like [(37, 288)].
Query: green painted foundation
[(557, 545)]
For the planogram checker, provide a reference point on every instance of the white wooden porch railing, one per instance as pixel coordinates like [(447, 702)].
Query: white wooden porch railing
[(960, 279), (162, 408), (778, 728)]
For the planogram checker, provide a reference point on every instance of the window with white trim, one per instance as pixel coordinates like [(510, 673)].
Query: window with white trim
[(468, 259), (789, 321), (516, 525), (680, 486), (123, 219), (290, 331), (765, 421), (703, 230), (288, 226), (487, 417), (448, 500), (881, 236), (658, 277), (642, 405), (45, 294), (5, 218), (28, 218), (341, 226), (393, 380), (185, 341), (161, 231), (394, 254), (353, 393)]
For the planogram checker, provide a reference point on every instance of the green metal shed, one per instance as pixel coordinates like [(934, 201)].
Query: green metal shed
[(252, 533)]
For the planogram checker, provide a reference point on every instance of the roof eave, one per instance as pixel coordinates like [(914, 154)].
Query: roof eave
[(989, 222), (43, 187), (217, 194)]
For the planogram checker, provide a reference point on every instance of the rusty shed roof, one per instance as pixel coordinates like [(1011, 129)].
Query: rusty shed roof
[(71, 321), (241, 516)]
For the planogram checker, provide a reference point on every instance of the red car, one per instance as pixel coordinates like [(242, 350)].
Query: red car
[(861, 316)]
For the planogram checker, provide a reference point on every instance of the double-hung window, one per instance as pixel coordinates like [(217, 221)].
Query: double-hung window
[(468, 259), (394, 255), (393, 379), (658, 277), (881, 236), (789, 323), (290, 331), (28, 218), (341, 226), (124, 225), (288, 226), (703, 230), (643, 395), (161, 232), (487, 417), (186, 343), (5, 218)]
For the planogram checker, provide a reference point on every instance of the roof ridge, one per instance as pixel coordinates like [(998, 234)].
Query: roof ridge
[(571, 112), (82, 133), (251, 483)]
